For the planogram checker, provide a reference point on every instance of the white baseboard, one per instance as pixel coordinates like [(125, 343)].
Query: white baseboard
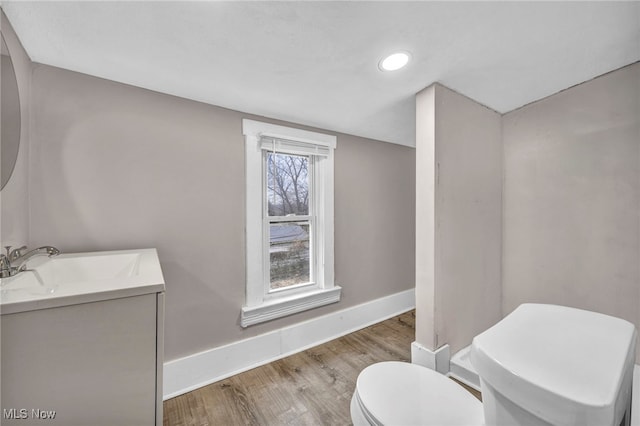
[(194, 371), (436, 360)]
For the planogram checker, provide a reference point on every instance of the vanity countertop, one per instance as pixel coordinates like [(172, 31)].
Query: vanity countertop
[(74, 278)]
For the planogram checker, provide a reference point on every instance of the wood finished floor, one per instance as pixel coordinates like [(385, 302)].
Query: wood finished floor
[(313, 387)]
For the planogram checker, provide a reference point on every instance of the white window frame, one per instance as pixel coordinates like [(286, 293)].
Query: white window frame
[(261, 304)]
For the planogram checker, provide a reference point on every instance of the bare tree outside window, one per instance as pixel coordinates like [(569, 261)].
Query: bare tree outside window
[(287, 184), (288, 195)]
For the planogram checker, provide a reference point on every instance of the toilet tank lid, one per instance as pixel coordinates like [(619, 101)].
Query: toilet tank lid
[(557, 360)]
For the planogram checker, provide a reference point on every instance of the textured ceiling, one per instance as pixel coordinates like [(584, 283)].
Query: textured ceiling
[(315, 63)]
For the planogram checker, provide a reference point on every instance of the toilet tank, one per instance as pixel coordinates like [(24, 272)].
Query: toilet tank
[(549, 364)]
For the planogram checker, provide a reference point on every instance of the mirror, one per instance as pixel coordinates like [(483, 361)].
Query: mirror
[(10, 122)]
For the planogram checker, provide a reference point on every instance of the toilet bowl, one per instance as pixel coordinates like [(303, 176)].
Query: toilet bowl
[(399, 393)]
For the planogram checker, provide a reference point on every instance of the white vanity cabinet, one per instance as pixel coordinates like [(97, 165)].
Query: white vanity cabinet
[(93, 360)]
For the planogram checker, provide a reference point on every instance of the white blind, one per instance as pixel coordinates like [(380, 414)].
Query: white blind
[(278, 144)]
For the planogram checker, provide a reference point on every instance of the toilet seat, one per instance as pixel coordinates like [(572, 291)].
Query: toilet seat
[(399, 393)]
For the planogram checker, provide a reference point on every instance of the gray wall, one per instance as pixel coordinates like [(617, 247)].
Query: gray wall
[(14, 202), (572, 198), (468, 246), (459, 229), (115, 167)]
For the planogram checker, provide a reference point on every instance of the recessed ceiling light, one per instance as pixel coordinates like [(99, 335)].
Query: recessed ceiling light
[(395, 61)]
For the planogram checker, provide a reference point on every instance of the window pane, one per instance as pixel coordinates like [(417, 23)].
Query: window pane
[(289, 254), (287, 184)]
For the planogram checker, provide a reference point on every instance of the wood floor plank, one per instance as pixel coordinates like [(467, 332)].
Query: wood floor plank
[(313, 387)]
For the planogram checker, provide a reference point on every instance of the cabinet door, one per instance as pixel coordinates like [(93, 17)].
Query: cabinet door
[(91, 364)]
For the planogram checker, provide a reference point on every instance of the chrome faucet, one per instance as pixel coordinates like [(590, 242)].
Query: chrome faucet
[(5, 266), (14, 261)]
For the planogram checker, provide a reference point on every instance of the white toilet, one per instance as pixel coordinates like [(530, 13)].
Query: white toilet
[(553, 365), (540, 365)]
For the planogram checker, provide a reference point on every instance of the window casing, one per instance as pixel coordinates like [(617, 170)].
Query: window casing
[(289, 221)]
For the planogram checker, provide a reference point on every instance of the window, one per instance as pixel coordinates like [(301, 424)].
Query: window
[(289, 221)]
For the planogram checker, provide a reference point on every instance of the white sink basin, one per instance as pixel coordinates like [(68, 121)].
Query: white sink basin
[(72, 278)]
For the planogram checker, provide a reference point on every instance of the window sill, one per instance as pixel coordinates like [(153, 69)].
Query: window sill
[(288, 305)]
